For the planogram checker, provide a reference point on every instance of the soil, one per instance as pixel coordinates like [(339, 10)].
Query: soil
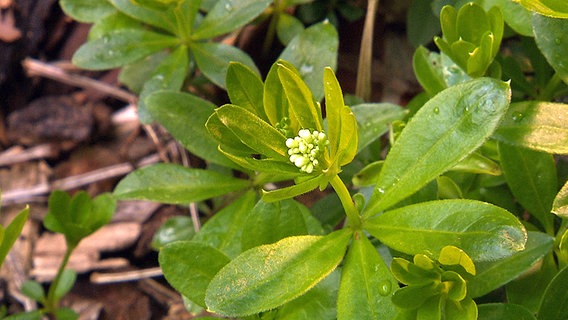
[(64, 128)]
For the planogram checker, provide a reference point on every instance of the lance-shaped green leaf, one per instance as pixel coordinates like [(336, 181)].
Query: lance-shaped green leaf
[(184, 115), (427, 67), (228, 15), (292, 191), (247, 160), (86, 10), (300, 99), (500, 311), (169, 75), (366, 284), (300, 52), (253, 131), (333, 106), (223, 231), (551, 36), (171, 183), (531, 176), (213, 59), (493, 274), (553, 305), (482, 230), (550, 8), (444, 131), (121, 47), (560, 204), (163, 19), (536, 125), (270, 222), (268, 276), (189, 267), (10, 234), (274, 99), (245, 89)]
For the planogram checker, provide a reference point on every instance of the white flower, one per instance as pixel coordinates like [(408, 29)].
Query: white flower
[(305, 149)]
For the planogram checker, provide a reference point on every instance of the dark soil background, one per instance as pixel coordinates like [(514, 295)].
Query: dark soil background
[(63, 128)]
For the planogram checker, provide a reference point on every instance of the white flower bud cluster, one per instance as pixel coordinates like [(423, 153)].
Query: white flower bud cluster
[(305, 149)]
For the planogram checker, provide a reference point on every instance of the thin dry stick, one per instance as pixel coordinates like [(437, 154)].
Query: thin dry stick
[(38, 68), (16, 155), (363, 88), (102, 278)]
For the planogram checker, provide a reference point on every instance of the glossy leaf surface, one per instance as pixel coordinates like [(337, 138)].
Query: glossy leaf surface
[(163, 19), (504, 311), (366, 284), (86, 10), (171, 183), (483, 231), (373, 120), (444, 131), (553, 305), (551, 36), (265, 277)]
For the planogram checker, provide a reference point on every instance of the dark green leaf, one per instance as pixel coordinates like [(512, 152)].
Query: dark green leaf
[(65, 314), (483, 231), (30, 315), (10, 234), (245, 89), (223, 231), (268, 276), (163, 19), (493, 274), (134, 75), (311, 51), (444, 131), (228, 15), (185, 115), (33, 289), (86, 10), (189, 266), (170, 183), (421, 23), (169, 75), (531, 176), (537, 125), (288, 27), (503, 311), (373, 120), (213, 59), (428, 69), (270, 222), (120, 47), (516, 16), (553, 305), (112, 22), (176, 228), (551, 36), (366, 284)]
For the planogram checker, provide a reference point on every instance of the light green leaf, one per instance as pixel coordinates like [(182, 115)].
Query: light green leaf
[(270, 222), (428, 70), (10, 234), (268, 276), (551, 36), (86, 10), (120, 47), (169, 75), (253, 131), (560, 204), (33, 289), (189, 266), (531, 176), (112, 22), (482, 230), (443, 132), (334, 105), (318, 303), (536, 125), (292, 191), (134, 75), (163, 19), (274, 100), (176, 228), (223, 231), (300, 99), (311, 51), (503, 311), (184, 115), (245, 89), (213, 59), (65, 284), (170, 183), (228, 15), (550, 8), (493, 274), (366, 284), (553, 305), (516, 16), (373, 120)]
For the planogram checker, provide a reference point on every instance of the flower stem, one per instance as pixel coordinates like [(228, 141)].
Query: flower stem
[(347, 202), (51, 301)]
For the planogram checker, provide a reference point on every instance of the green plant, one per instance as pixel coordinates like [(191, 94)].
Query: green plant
[(76, 218)]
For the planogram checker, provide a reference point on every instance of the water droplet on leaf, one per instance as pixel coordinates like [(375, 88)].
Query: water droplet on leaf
[(305, 69), (436, 110), (385, 288), (517, 116), (557, 41)]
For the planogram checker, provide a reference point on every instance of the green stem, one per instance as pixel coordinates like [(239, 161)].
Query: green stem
[(51, 302), (271, 32), (548, 92), (347, 202)]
